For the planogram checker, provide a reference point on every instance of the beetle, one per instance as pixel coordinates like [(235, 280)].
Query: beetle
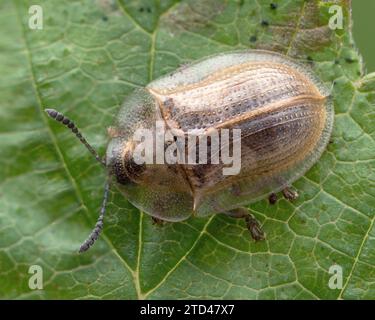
[(282, 110)]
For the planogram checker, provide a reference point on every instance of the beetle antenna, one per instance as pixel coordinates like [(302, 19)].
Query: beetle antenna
[(94, 235), (59, 117)]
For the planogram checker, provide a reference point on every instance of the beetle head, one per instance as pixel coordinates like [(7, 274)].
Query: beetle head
[(137, 112), (120, 161)]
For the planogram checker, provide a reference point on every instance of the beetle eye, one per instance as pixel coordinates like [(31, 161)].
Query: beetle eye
[(125, 169), (116, 168), (133, 169)]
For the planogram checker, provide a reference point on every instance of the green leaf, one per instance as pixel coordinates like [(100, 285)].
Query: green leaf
[(84, 62)]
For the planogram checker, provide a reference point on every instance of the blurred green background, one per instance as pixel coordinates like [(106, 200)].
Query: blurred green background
[(364, 30)]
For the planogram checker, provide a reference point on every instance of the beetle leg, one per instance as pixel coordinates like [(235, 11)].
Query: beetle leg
[(157, 221), (290, 194), (252, 224), (272, 199)]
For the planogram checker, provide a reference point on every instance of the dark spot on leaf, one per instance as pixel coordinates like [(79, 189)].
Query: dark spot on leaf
[(193, 18), (105, 18), (349, 60), (337, 61), (265, 23), (253, 39), (141, 9), (273, 6), (148, 10), (310, 60)]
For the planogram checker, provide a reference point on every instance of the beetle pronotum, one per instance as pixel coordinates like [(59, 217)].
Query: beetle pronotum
[(284, 114)]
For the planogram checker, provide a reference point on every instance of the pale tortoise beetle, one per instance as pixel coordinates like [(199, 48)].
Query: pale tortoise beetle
[(283, 110)]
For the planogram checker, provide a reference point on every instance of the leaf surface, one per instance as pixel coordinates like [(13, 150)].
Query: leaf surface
[(89, 56)]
